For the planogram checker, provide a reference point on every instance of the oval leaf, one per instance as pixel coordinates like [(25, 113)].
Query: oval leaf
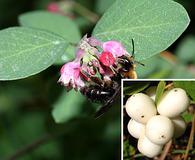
[(159, 91), (131, 87), (68, 106), (153, 24), (25, 51), (55, 23), (52, 22)]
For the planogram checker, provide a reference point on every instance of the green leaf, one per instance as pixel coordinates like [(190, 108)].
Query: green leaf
[(159, 91), (188, 86), (164, 73), (68, 106), (55, 23), (69, 55), (150, 65), (52, 22), (153, 24), (187, 117), (154, 67), (25, 51), (128, 150), (186, 50), (131, 87)]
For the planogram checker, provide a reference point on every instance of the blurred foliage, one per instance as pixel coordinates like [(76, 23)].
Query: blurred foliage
[(186, 50), (26, 105)]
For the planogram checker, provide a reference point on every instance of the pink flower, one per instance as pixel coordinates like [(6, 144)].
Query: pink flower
[(70, 75), (79, 54), (114, 47), (94, 42), (92, 66)]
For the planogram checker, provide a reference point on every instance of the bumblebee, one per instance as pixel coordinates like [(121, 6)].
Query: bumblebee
[(107, 92)]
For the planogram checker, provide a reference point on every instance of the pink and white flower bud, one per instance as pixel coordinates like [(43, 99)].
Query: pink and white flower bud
[(70, 75), (79, 54), (114, 47), (94, 42)]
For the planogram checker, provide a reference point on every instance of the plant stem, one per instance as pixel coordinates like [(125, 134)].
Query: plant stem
[(191, 138), (170, 85), (166, 150), (85, 12), (29, 147)]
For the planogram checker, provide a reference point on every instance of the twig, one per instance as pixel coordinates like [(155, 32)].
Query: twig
[(190, 141), (85, 12), (34, 145), (170, 85), (166, 150), (30, 147)]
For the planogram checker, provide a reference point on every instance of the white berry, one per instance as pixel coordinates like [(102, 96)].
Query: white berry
[(140, 107), (159, 129), (151, 92), (179, 126), (135, 128), (147, 148), (173, 103)]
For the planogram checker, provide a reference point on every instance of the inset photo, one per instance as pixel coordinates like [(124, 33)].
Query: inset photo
[(158, 119)]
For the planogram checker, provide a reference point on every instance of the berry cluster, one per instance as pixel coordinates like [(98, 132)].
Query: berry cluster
[(96, 64), (154, 125)]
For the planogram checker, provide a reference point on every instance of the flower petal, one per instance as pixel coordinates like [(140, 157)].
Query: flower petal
[(116, 48)]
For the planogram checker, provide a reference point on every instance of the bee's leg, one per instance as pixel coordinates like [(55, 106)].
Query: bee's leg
[(114, 70)]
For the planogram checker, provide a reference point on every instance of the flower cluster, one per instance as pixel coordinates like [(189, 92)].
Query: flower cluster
[(96, 62)]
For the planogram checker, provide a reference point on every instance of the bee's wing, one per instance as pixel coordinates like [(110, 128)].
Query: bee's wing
[(105, 107)]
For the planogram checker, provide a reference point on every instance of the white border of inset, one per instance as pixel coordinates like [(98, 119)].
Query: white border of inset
[(123, 106)]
